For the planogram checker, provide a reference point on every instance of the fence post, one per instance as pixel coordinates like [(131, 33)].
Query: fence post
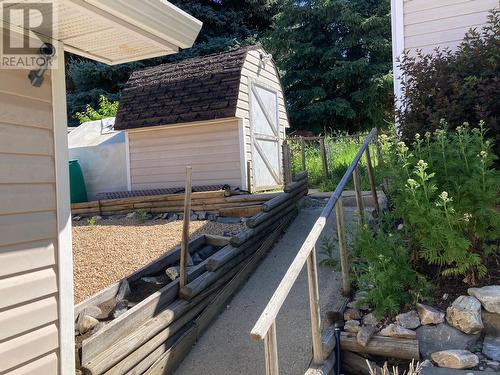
[(371, 178), (287, 167), (312, 277), (323, 156), (303, 152), (344, 264), (359, 196), (185, 230), (249, 176), (271, 351)]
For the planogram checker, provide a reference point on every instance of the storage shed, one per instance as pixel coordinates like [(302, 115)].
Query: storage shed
[(218, 113)]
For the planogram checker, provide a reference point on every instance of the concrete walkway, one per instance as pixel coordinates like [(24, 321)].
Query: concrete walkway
[(226, 347)]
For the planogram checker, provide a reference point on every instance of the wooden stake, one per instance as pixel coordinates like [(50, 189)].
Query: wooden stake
[(324, 157), (249, 176), (303, 153), (185, 229), (339, 213), (287, 167), (359, 196), (271, 351), (312, 278), (371, 177)]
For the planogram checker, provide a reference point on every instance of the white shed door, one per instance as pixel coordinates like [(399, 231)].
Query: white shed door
[(265, 137)]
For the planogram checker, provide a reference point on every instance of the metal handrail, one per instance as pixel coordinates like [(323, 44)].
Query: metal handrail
[(264, 328)]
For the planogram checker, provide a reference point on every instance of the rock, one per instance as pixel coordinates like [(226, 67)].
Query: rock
[(172, 273), (429, 315), (92, 311), (365, 334), (202, 215), (489, 296), (152, 280), (193, 217), (491, 322), (173, 216), (370, 319), (409, 320), (86, 323), (96, 218), (494, 365), (456, 359), (360, 294), (465, 315), (158, 217), (360, 304), (228, 220), (491, 347), (426, 363), (131, 215), (120, 308), (77, 218), (352, 326), (123, 291), (442, 336), (352, 314), (164, 216), (394, 330), (212, 217), (180, 216), (196, 258)]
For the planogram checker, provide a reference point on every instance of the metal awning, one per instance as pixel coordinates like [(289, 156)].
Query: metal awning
[(119, 31)]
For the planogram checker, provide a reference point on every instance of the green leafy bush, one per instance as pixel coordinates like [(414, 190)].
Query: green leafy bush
[(106, 109), (445, 189), (458, 86), (385, 271)]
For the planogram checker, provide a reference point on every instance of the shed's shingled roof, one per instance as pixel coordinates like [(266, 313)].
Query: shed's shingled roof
[(198, 89)]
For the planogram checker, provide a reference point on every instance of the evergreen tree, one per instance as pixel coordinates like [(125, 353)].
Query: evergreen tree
[(226, 24), (335, 60)]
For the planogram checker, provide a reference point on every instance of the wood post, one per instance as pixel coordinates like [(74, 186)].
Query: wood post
[(323, 156), (185, 230), (249, 176), (312, 278), (271, 351), (359, 196), (303, 153), (371, 178), (287, 167), (339, 213)]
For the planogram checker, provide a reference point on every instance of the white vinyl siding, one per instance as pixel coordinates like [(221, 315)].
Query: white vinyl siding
[(429, 24), (158, 157), (28, 228)]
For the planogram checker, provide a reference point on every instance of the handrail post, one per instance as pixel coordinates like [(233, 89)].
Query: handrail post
[(271, 351), (359, 197), (185, 229), (324, 159), (371, 178), (344, 264), (312, 277)]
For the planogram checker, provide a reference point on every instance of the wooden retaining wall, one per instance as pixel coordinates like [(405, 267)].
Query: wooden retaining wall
[(154, 336)]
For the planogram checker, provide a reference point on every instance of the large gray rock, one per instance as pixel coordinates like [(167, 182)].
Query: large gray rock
[(429, 315), (489, 296), (491, 322), (465, 315), (352, 326), (92, 311), (394, 330), (352, 314), (86, 323), (442, 336), (457, 359), (123, 291), (370, 319), (409, 320), (491, 347)]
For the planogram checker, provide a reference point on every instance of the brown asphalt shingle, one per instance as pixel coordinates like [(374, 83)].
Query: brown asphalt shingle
[(198, 89)]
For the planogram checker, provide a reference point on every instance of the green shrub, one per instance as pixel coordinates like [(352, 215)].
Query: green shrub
[(386, 273), (445, 189), (106, 109), (458, 86)]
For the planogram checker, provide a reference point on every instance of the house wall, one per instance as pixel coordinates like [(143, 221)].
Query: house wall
[(429, 23), (267, 74), (29, 292), (159, 155)]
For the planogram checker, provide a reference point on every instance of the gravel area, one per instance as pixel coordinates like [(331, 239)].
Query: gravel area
[(112, 249)]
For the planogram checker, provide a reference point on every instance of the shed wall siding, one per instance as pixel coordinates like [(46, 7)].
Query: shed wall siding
[(429, 24), (158, 157), (266, 74), (28, 228)]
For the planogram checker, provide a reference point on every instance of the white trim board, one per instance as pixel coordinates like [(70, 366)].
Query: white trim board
[(64, 243), (182, 125), (127, 162), (398, 46)]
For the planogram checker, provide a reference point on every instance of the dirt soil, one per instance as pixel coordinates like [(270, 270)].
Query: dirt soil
[(112, 249)]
